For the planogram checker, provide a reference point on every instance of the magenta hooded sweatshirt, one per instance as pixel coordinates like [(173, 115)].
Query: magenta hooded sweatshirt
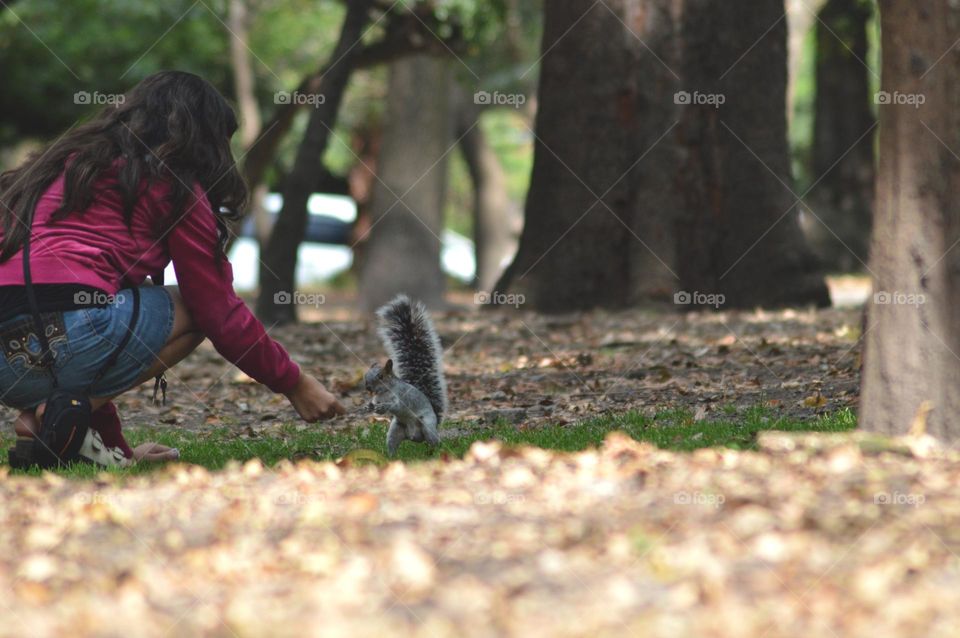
[(97, 248)]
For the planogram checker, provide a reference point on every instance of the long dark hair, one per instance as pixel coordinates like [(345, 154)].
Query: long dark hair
[(172, 126)]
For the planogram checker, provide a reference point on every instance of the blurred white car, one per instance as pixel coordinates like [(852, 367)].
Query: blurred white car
[(319, 260)]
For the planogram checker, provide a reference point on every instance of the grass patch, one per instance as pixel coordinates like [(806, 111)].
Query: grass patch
[(672, 429)]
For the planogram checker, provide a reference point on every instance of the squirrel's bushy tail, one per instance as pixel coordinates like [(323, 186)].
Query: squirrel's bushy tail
[(411, 341)]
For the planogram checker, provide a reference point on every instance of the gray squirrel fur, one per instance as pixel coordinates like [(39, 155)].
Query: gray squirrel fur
[(410, 386)]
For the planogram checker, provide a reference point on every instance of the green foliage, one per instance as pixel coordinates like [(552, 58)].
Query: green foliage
[(51, 50), (800, 134)]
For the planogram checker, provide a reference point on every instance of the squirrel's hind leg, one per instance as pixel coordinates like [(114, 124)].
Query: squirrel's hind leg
[(430, 430), (395, 435)]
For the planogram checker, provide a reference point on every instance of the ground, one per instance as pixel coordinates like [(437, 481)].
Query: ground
[(810, 535), (534, 370), (789, 534)]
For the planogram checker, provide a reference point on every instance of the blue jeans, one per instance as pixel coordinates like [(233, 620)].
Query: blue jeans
[(82, 341)]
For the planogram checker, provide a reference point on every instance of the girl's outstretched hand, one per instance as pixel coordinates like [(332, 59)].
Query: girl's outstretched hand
[(312, 401)]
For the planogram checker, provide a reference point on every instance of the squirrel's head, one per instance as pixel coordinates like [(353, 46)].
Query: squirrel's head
[(378, 374)]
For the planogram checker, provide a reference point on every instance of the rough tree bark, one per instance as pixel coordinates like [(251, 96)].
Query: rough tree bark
[(739, 226), (402, 252), (636, 195), (842, 157), (911, 364), (577, 245), (279, 257)]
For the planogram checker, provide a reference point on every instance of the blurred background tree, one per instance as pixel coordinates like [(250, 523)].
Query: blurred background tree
[(841, 158), (253, 49)]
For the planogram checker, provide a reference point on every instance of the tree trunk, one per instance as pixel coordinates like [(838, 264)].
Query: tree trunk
[(361, 179), (496, 219), (842, 144), (597, 115), (243, 78), (911, 362), (279, 257), (403, 247), (250, 121), (739, 230), (636, 195), (405, 34)]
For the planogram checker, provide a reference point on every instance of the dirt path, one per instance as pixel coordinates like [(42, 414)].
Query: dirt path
[(811, 536)]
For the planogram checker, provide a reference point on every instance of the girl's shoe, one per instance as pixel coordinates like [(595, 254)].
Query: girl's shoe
[(95, 451), (106, 421), (92, 450)]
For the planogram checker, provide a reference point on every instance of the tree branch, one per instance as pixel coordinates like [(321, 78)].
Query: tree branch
[(406, 34)]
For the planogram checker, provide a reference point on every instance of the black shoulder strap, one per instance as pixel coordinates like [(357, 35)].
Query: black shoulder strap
[(46, 356)]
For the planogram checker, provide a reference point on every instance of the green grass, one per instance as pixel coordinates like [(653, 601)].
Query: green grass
[(673, 429)]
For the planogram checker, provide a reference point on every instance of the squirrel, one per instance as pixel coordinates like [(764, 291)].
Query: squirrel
[(410, 385)]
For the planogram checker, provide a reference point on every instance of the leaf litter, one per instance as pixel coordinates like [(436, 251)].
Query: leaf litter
[(843, 534)]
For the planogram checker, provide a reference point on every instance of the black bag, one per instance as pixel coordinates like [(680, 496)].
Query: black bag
[(68, 414)]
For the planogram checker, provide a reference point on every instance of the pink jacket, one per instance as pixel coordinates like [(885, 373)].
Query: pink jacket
[(97, 248)]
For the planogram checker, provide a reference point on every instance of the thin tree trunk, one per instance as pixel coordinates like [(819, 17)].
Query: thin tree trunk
[(361, 180), (279, 257), (402, 252), (496, 219), (244, 82), (801, 16), (911, 364), (406, 34), (842, 159)]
